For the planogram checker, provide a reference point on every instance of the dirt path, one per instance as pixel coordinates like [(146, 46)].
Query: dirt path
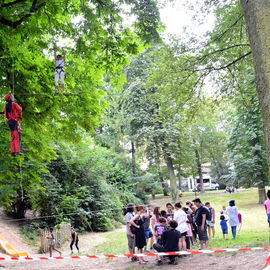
[(252, 260), (10, 230)]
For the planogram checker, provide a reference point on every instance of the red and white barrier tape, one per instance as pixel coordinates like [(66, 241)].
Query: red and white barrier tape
[(27, 259), (267, 264)]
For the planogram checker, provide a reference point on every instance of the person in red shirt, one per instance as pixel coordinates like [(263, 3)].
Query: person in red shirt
[(13, 113)]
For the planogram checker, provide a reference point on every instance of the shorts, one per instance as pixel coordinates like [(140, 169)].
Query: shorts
[(268, 216), (57, 75), (202, 234), (183, 234), (158, 247), (225, 231), (131, 241), (148, 233), (209, 223)]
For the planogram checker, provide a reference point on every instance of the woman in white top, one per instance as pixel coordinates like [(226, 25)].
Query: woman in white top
[(181, 218), (232, 212), (59, 70)]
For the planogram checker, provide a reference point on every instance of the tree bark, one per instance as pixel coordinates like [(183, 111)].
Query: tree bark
[(258, 24), (262, 194), (199, 166), (179, 175), (133, 159), (169, 163)]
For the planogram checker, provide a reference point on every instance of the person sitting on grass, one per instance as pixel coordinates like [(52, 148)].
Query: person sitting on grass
[(170, 242), (224, 227), (52, 243), (159, 229)]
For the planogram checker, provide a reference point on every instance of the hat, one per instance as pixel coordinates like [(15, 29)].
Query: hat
[(207, 203), (8, 97), (197, 200), (188, 202)]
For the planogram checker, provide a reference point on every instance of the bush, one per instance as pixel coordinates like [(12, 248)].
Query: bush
[(91, 191)]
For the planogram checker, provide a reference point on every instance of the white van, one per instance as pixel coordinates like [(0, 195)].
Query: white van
[(208, 183)]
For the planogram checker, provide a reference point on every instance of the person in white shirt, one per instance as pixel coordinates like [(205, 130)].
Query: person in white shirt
[(59, 70), (181, 218)]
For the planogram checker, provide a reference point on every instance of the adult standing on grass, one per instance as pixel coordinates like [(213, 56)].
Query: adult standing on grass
[(267, 208), (210, 221), (181, 218), (200, 219), (130, 236), (232, 212), (137, 223)]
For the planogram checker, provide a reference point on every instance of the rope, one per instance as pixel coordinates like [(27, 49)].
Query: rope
[(21, 178)]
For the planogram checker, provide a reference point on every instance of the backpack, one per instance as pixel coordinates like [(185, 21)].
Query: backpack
[(209, 215)]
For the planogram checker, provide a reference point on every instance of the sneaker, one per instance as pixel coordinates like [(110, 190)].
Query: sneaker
[(71, 253), (159, 262), (146, 250), (13, 154)]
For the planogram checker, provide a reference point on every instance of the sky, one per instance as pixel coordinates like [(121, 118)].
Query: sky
[(176, 15)]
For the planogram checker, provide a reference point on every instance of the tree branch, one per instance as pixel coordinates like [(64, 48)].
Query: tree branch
[(11, 3), (14, 24), (233, 62)]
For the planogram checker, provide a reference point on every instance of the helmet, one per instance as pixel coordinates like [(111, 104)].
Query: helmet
[(8, 97)]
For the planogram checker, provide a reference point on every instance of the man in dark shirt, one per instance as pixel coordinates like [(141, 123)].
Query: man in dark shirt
[(170, 240), (200, 219)]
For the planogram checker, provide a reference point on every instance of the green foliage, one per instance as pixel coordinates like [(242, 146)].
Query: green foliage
[(97, 44), (87, 184), (247, 144)]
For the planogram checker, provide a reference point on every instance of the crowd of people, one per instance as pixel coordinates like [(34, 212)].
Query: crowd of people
[(178, 227)]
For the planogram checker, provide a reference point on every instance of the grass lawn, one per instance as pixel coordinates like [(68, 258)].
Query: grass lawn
[(254, 229)]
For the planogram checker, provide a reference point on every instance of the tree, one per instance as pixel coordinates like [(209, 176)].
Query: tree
[(98, 47), (257, 21), (247, 146)]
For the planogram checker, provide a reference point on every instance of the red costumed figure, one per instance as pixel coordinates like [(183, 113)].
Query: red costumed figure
[(13, 113)]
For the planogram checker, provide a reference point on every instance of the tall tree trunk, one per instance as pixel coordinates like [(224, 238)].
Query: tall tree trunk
[(262, 194), (169, 163), (179, 175), (199, 166), (258, 23), (133, 159)]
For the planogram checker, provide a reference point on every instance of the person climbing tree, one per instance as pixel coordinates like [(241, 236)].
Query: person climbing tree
[(13, 113), (59, 71)]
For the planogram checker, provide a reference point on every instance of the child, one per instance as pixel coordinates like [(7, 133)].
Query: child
[(159, 229), (224, 227), (74, 239), (148, 233), (52, 243), (170, 242), (59, 70), (163, 214)]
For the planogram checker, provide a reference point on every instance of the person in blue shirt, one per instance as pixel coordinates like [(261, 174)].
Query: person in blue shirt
[(159, 229), (224, 227)]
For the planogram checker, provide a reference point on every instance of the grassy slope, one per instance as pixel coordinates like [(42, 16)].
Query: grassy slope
[(254, 230)]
